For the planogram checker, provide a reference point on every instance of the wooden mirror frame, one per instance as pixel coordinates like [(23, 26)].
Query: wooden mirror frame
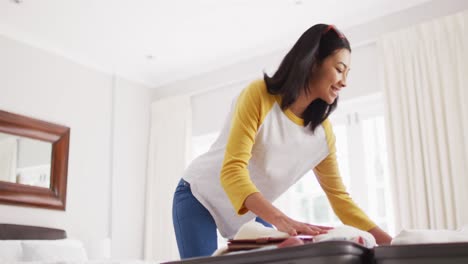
[(27, 195)]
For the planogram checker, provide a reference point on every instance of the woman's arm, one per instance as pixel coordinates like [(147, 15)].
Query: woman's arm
[(328, 175), (268, 212), (247, 116)]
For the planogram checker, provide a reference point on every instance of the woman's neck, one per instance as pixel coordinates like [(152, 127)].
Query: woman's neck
[(301, 104)]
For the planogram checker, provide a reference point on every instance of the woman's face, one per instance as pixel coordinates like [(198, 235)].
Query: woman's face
[(330, 76)]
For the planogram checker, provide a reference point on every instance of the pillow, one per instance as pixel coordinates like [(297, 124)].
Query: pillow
[(53, 250), (98, 249), (10, 251)]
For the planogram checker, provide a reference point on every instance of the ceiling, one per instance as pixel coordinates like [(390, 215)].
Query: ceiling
[(156, 42)]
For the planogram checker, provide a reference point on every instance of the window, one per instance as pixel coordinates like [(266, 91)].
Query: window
[(202, 143)]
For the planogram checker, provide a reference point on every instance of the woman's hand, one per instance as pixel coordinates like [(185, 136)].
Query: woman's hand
[(293, 227), (381, 237), (263, 208)]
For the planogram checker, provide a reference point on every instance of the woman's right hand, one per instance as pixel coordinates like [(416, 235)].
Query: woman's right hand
[(293, 227), (263, 208)]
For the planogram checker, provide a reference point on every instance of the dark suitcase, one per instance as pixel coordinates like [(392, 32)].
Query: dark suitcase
[(447, 253), (336, 252)]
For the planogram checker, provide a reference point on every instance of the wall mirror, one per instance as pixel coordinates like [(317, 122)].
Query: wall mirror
[(33, 162)]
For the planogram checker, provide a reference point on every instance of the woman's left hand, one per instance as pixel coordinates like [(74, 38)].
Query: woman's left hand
[(381, 237), (323, 229)]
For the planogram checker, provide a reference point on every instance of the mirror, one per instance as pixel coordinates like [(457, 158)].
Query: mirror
[(33, 161), (24, 160)]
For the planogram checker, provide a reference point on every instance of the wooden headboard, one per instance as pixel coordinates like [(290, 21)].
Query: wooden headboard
[(23, 232)]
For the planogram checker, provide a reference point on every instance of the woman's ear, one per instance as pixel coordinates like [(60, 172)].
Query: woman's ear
[(314, 71), (315, 68)]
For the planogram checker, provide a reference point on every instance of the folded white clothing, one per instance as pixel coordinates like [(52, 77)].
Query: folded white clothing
[(254, 230), (348, 233), (464, 229), (422, 236)]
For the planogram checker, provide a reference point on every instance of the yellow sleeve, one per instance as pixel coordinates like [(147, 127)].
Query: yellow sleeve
[(251, 108), (328, 175)]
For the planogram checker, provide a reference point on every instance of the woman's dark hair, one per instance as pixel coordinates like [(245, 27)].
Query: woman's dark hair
[(294, 72)]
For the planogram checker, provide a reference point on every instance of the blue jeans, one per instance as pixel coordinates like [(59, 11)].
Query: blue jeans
[(194, 226)]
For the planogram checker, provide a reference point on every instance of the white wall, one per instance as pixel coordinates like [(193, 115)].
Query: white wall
[(223, 77), (210, 108), (103, 132)]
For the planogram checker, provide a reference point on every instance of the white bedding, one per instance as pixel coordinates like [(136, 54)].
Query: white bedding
[(62, 251), (85, 262), (53, 250)]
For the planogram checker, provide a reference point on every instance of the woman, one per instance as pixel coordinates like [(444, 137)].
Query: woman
[(276, 131)]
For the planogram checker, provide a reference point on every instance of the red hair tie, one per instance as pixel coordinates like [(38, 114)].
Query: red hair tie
[(340, 35)]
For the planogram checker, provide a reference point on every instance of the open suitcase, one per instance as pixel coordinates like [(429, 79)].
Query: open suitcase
[(336, 252), (449, 253)]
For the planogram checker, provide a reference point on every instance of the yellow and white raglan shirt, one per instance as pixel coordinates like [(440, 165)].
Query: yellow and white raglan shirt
[(262, 148)]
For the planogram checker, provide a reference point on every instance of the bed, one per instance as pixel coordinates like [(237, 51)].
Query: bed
[(32, 244)]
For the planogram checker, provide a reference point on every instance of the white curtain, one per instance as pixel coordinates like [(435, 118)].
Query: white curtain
[(425, 69), (8, 153), (168, 154)]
